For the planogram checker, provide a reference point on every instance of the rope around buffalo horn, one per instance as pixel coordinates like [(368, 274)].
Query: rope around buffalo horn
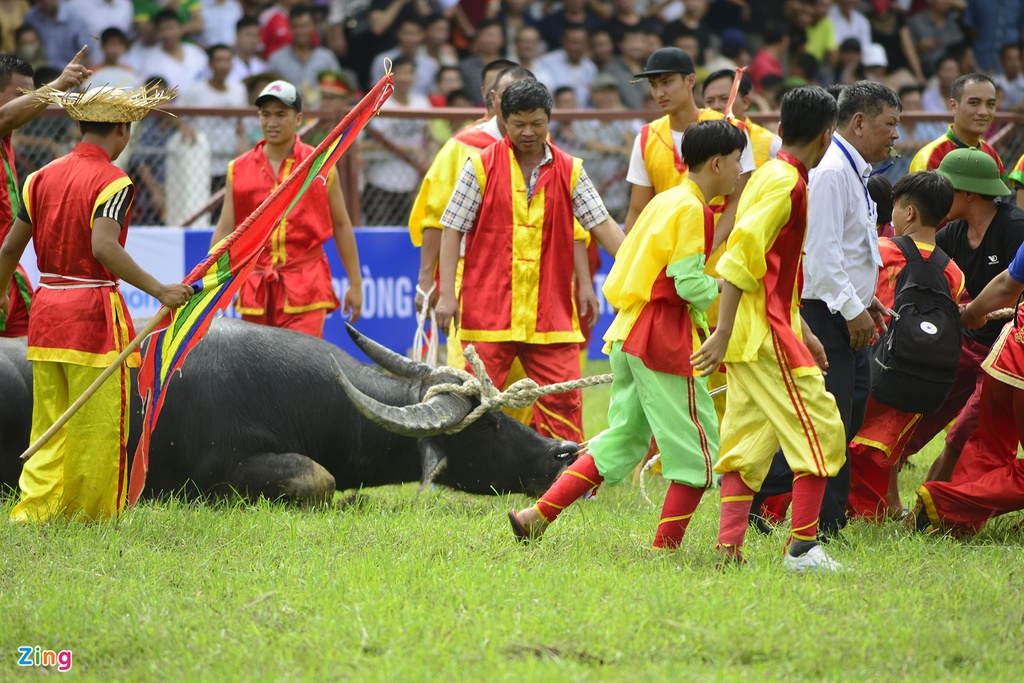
[(521, 394), (1001, 314)]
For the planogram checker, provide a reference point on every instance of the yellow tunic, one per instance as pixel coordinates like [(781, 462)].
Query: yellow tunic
[(669, 231)]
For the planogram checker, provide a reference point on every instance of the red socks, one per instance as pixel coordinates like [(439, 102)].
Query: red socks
[(736, 500), (808, 490), (680, 502), (580, 477)]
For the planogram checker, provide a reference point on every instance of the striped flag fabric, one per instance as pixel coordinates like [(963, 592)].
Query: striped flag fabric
[(217, 279)]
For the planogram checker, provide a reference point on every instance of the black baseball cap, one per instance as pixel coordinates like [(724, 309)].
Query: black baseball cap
[(667, 60)]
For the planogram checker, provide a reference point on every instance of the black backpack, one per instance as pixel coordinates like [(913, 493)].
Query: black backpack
[(914, 364)]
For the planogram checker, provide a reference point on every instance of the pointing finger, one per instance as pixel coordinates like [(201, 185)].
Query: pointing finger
[(81, 53)]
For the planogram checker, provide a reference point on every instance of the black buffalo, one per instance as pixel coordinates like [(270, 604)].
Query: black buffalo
[(269, 412), (15, 407)]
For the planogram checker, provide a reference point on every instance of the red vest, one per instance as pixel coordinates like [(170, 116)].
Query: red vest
[(85, 325), (295, 253), (10, 202), (518, 279)]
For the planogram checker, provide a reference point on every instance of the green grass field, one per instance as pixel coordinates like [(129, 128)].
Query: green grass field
[(395, 586)]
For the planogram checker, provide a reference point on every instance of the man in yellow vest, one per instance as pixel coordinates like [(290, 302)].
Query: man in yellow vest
[(656, 163), (717, 87)]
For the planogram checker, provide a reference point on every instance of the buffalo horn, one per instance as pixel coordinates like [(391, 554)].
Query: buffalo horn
[(394, 363), (430, 418)]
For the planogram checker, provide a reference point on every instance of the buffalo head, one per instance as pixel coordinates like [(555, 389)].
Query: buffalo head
[(493, 454)]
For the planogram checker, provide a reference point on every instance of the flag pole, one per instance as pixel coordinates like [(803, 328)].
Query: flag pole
[(380, 92), (94, 387)]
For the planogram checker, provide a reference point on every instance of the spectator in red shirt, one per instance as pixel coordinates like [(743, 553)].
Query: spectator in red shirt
[(768, 60), (275, 27)]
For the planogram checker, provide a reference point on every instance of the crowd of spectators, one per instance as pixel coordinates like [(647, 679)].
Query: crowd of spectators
[(218, 53)]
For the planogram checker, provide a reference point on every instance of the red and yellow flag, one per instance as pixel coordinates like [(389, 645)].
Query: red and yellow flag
[(217, 279)]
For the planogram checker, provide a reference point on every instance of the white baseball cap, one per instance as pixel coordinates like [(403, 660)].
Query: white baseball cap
[(284, 92), (874, 55)]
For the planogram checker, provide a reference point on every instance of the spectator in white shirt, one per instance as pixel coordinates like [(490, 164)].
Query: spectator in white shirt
[(841, 262), (97, 15), (410, 35), (847, 22), (179, 64), (569, 66), (222, 134), (113, 70), (247, 61), (220, 17), (391, 180), (1011, 80)]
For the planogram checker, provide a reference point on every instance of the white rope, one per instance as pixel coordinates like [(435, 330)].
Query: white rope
[(1001, 314), (521, 394), (643, 486), (420, 339)]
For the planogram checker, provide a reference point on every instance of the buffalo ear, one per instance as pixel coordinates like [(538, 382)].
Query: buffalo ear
[(432, 460)]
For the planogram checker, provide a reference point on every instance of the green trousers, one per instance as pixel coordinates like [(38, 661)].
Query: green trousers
[(677, 411)]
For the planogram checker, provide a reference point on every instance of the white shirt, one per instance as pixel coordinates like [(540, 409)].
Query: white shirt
[(841, 256), (219, 20), (857, 27), (383, 169), (637, 173), (221, 132), (99, 15), (563, 73), (241, 71), (153, 61), (426, 70)]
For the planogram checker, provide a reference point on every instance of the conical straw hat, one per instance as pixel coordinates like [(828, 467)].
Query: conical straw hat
[(106, 104)]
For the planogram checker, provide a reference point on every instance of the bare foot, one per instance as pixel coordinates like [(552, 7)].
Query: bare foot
[(527, 525)]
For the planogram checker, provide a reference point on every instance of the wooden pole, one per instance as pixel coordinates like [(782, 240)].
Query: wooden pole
[(94, 387)]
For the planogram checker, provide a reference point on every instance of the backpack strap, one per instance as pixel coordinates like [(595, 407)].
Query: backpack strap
[(911, 253)]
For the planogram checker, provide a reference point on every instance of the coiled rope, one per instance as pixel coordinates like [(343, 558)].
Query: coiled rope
[(521, 394)]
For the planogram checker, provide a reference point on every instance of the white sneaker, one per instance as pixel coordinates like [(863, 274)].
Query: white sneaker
[(814, 560)]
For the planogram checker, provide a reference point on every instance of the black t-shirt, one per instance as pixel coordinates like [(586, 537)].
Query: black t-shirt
[(998, 247)]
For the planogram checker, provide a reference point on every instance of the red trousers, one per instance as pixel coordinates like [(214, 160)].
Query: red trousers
[(988, 479), (559, 416), (961, 404), (874, 452)]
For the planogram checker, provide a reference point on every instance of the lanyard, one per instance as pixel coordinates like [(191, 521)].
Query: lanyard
[(872, 211), (856, 172)]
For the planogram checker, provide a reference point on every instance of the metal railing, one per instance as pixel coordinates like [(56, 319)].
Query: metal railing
[(178, 164)]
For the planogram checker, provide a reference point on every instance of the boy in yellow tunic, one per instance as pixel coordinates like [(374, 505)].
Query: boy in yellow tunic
[(76, 211), (776, 389), (660, 288)]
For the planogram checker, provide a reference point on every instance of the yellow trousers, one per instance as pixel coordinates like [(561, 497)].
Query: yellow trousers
[(82, 472), (770, 404)]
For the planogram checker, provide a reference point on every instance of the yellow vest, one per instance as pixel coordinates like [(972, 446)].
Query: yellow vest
[(760, 142)]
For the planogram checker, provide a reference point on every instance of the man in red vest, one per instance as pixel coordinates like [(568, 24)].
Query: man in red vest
[(516, 202), (76, 210), (291, 284), (16, 75)]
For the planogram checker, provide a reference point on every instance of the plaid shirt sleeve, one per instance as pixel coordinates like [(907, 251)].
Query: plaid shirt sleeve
[(460, 214), (587, 204)]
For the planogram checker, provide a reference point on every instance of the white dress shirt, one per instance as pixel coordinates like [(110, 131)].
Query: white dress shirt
[(841, 256)]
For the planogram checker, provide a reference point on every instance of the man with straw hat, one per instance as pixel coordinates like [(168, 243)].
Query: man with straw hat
[(15, 111), (76, 209)]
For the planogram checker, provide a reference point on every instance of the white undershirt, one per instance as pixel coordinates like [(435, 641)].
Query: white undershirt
[(637, 174)]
